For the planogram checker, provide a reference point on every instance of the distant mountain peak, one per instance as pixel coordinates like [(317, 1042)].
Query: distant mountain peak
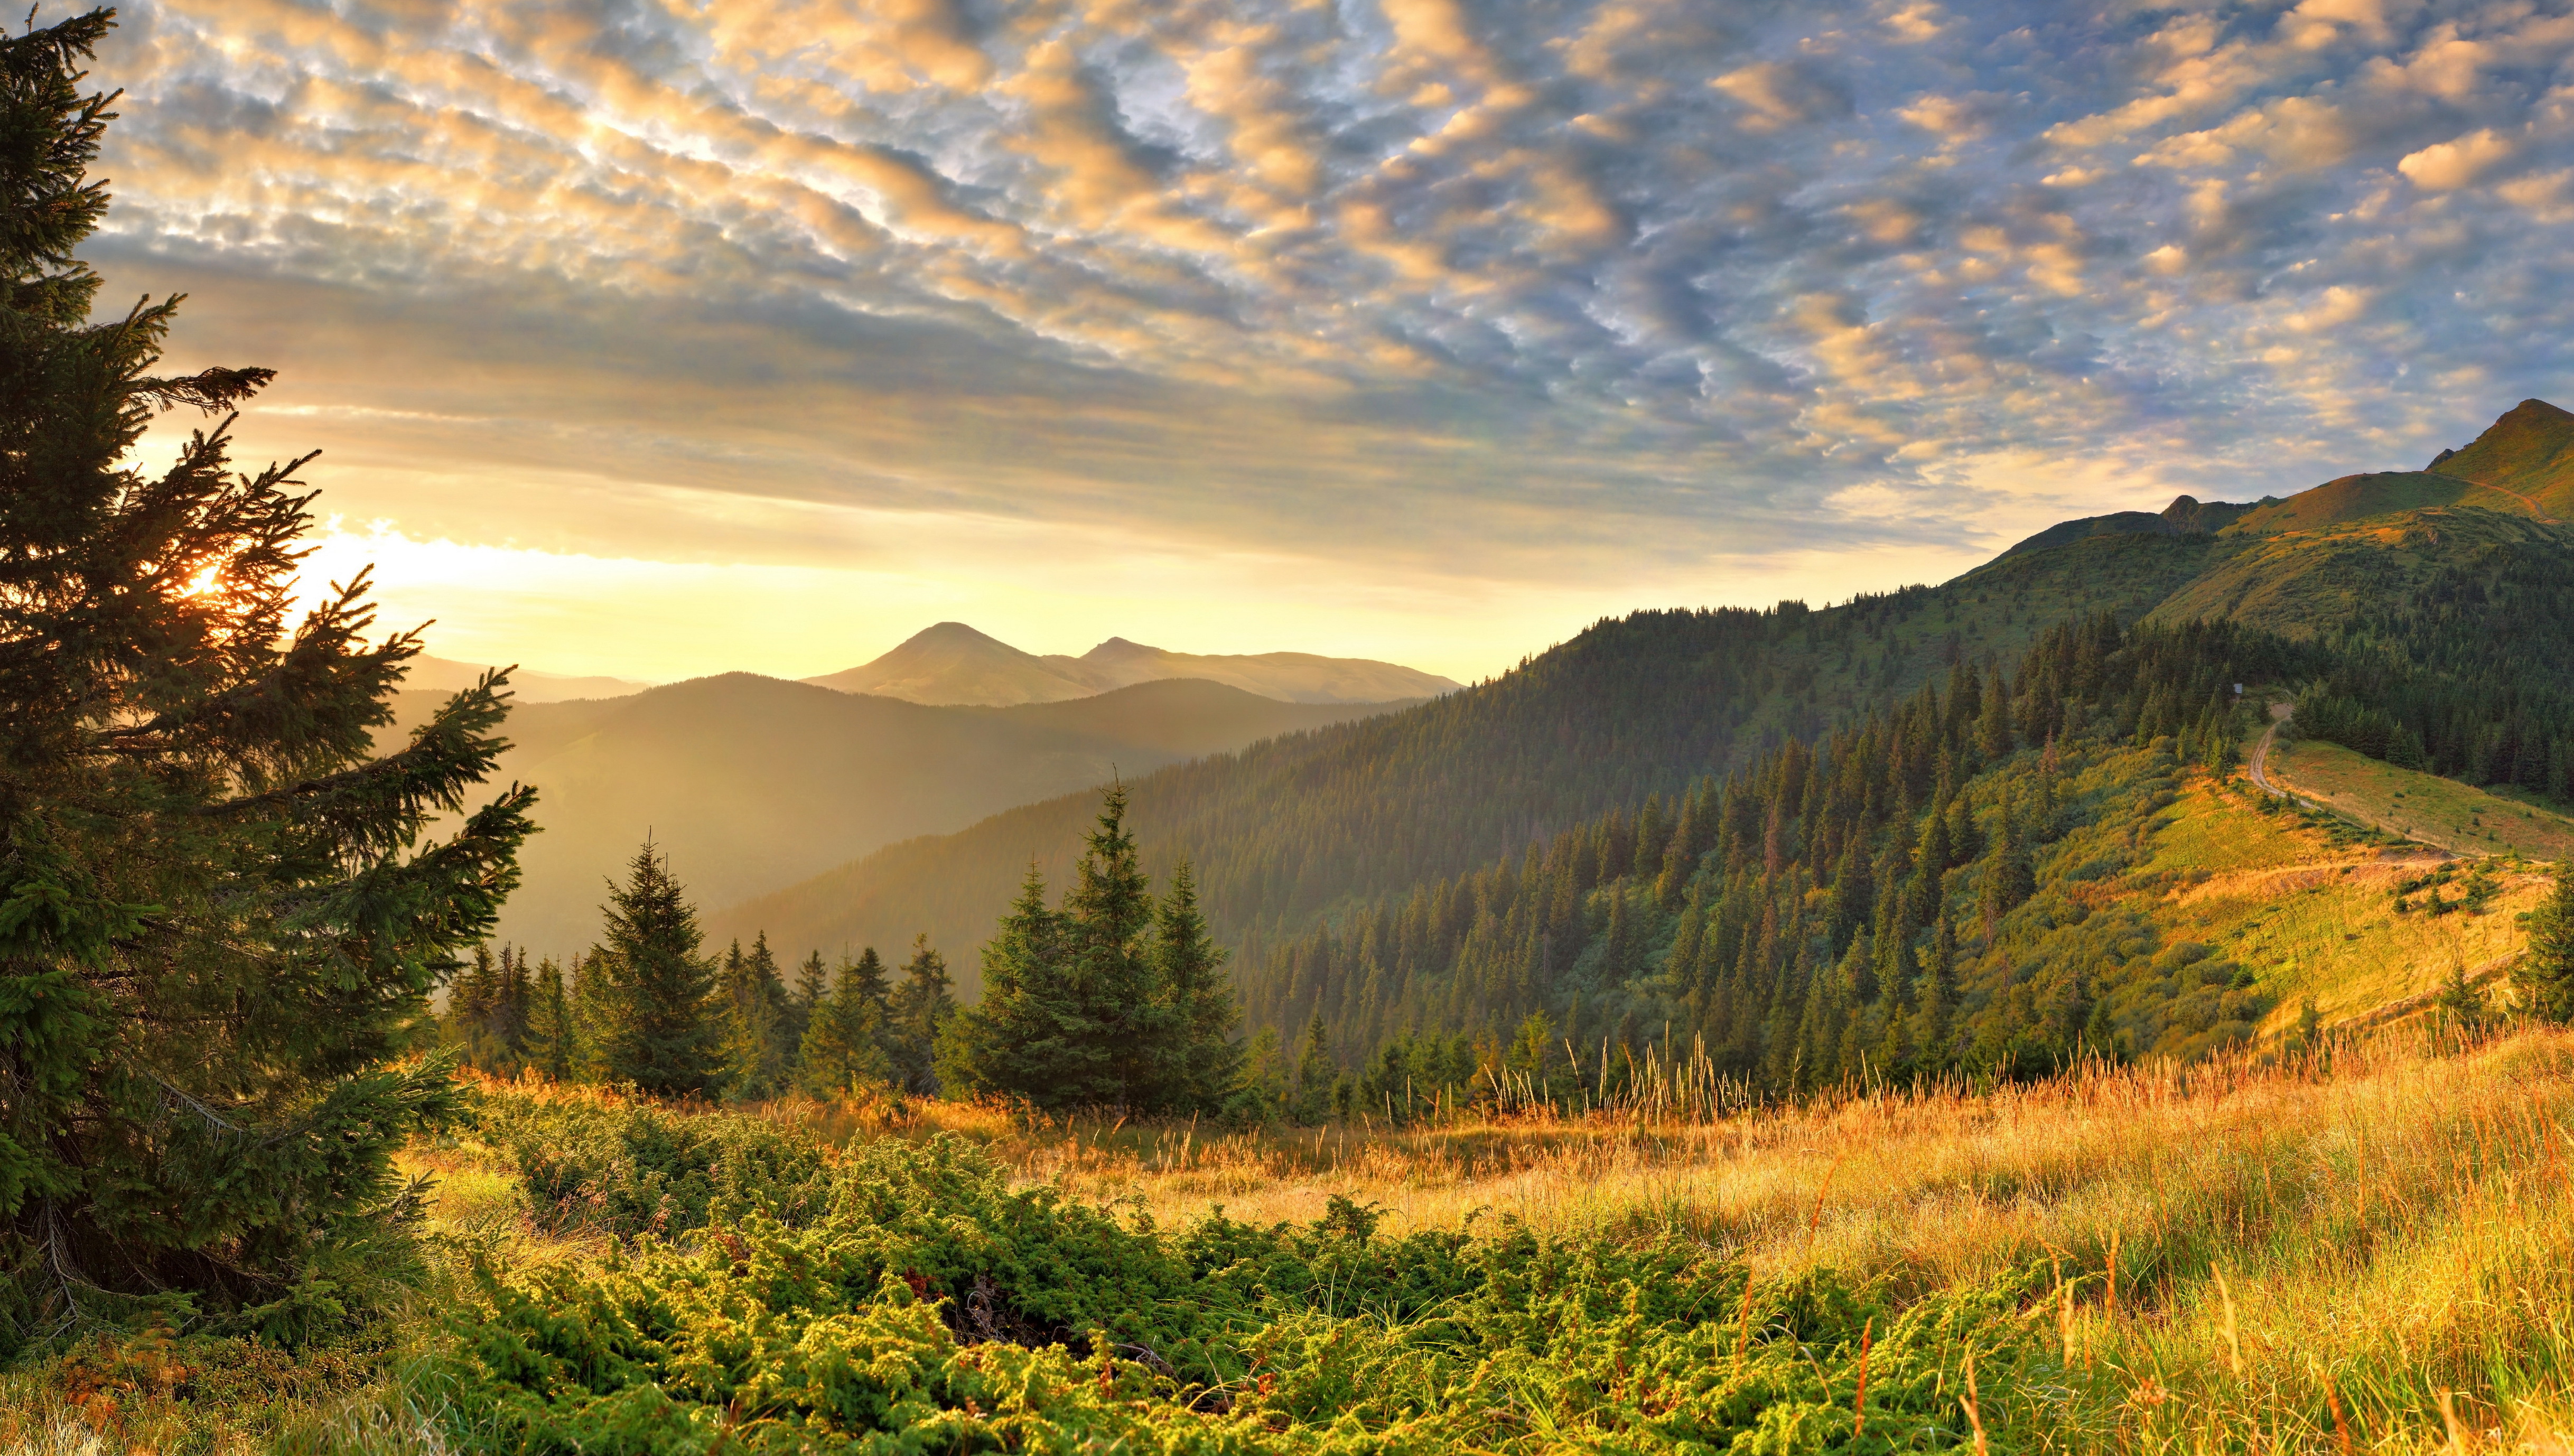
[(942, 632), (1117, 649), (951, 662)]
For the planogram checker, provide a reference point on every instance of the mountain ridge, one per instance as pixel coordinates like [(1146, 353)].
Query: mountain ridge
[(950, 663), (1514, 759), (752, 783)]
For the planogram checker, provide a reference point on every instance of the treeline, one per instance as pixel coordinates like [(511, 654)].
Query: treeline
[(2471, 677), (1114, 998), (1857, 908), (643, 1007)]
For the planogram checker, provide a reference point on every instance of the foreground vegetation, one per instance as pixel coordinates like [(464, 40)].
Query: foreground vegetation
[(2371, 1248)]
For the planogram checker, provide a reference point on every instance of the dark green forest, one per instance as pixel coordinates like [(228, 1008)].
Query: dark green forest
[(1890, 902), (1302, 826)]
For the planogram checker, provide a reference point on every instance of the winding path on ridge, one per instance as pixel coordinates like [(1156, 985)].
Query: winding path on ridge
[(2279, 712), (2262, 753)]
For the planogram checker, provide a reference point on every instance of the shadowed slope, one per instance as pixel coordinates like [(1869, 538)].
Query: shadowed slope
[(752, 782)]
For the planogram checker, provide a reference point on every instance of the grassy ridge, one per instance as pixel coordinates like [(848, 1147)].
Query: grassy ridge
[(2309, 907), (2441, 813)]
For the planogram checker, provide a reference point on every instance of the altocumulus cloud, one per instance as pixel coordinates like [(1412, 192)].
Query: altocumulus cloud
[(1607, 291)]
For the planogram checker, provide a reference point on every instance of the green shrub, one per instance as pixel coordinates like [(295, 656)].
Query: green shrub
[(932, 1308), (638, 1169)]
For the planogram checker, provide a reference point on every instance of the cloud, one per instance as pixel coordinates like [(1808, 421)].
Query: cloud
[(1608, 292), (2445, 166)]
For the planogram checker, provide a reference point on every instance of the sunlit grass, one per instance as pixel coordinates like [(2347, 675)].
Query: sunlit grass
[(2455, 816), (2390, 1223)]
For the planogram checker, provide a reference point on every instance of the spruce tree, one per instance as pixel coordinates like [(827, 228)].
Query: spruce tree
[(509, 1022), (658, 1031), (1026, 1037), (813, 987), (758, 1054), (593, 1016), (550, 1049), (1107, 919), (919, 1011), (1200, 1063), (217, 937), (1309, 1094), (2546, 974), (469, 1006), (841, 1050)]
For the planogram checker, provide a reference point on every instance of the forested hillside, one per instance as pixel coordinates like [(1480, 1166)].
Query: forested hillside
[(1286, 831), (1988, 879), (2449, 619)]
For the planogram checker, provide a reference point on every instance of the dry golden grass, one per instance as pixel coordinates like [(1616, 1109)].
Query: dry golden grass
[(2307, 1255), (2387, 1225)]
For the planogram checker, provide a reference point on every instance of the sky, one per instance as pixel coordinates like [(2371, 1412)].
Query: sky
[(658, 338)]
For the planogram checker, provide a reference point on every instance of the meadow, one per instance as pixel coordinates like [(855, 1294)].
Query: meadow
[(2311, 906), (2455, 816), (2369, 1248)]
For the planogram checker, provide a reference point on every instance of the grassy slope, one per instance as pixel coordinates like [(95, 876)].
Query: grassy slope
[(2300, 579), (2527, 457), (2436, 812), (2388, 1226), (2312, 917)]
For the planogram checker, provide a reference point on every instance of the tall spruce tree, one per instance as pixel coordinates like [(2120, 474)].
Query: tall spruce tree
[(917, 1016), (1026, 1037), (2546, 974), (1198, 1061), (216, 933), (1105, 929), (551, 1047), (758, 1057), (660, 1030), (842, 1049)]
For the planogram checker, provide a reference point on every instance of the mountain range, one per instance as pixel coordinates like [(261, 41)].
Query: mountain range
[(1289, 833), (752, 782), (443, 676), (952, 663)]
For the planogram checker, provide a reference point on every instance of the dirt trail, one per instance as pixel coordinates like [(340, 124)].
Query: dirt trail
[(2261, 751), (2543, 516), (2279, 712)]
